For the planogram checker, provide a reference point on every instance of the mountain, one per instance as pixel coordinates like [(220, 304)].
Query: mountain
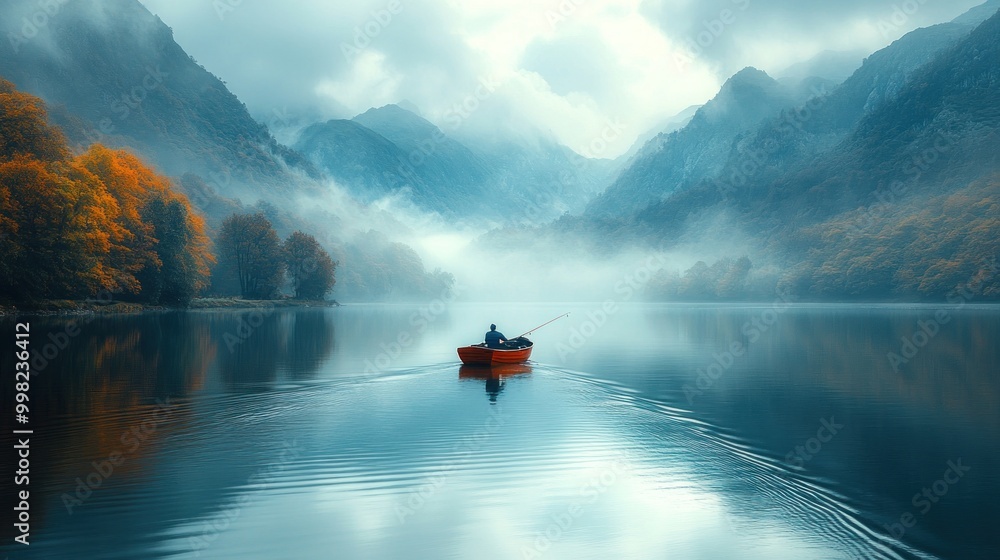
[(666, 126), (942, 126), (540, 176), (668, 161), (754, 138), (979, 14), (355, 155), (907, 204), (835, 66), (392, 150), (886, 187), (855, 143), (444, 174), (111, 72), (919, 185), (885, 72), (535, 175)]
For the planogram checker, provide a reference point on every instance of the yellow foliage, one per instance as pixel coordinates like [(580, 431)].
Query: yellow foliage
[(76, 225)]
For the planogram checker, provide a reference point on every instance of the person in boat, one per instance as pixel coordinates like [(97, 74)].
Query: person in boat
[(495, 338)]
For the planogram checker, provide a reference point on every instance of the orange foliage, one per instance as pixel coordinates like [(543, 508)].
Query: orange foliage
[(74, 226), (132, 185), (22, 121), (63, 227), (922, 247)]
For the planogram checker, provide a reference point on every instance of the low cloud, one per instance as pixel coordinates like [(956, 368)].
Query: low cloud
[(568, 66)]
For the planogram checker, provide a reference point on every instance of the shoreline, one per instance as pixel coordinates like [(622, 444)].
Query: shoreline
[(84, 307)]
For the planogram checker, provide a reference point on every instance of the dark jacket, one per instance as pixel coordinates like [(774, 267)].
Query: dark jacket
[(493, 339)]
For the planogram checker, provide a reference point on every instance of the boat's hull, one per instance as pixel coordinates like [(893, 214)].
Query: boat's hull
[(483, 356)]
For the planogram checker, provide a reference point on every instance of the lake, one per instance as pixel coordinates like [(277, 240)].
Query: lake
[(636, 431)]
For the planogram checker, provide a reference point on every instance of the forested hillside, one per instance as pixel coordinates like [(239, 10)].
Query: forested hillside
[(110, 73), (668, 162), (98, 224), (884, 187), (904, 207)]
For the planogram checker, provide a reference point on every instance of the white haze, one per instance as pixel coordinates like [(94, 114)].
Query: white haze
[(569, 76), (549, 270), (566, 66)]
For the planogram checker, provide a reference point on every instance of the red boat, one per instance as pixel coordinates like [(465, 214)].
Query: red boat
[(515, 351)]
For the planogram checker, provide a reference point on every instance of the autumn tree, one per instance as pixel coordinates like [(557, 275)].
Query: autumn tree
[(181, 249), (310, 268), (56, 230), (250, 247), (132, 185), (24, 127), (74, 226), (164, 255)]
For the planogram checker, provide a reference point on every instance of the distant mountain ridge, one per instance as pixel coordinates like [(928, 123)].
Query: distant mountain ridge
[(444, 175), (394, 151), (979, 13), (112, 72), (886, 187), (836, 66), (668, 161), (716, 150)]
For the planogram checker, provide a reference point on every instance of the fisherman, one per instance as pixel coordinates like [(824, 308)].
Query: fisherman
[(495, 338)]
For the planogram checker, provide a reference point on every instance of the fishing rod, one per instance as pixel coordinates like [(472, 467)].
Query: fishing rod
[(542, 325)]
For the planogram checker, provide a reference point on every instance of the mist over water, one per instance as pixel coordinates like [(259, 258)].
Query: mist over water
[(455, 159), (755, 431)]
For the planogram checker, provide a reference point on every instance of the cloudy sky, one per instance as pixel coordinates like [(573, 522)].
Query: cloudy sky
[(568, 67)]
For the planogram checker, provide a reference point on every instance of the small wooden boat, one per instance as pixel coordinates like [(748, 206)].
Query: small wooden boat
[(515, 351)]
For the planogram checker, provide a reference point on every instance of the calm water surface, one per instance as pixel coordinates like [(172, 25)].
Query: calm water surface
[(658, 431)]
